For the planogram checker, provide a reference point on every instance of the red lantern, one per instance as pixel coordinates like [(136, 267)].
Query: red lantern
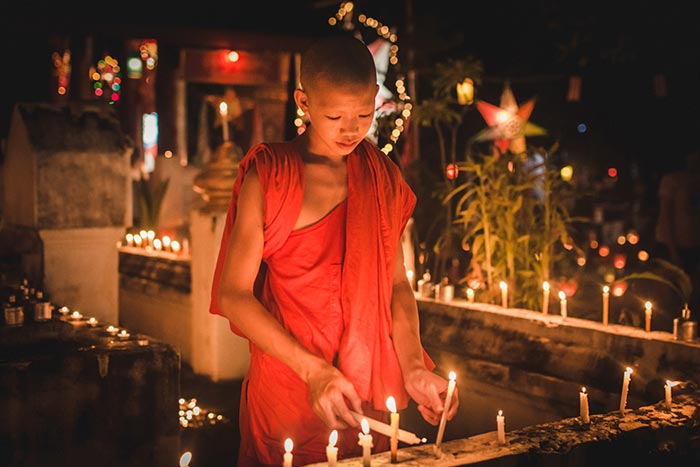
[(451, 171)]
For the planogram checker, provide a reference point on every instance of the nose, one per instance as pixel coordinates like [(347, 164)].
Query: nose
[(350, 127)]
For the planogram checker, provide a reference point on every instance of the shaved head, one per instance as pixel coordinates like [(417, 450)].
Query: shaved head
[(340, 60)]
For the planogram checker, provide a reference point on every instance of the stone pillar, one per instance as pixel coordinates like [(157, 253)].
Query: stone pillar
[(66, 177), (216, 351)]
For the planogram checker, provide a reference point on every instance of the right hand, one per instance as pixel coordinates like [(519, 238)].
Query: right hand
[(332, 397)]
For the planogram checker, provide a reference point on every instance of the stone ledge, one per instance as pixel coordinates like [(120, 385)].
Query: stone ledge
[(649, 433)]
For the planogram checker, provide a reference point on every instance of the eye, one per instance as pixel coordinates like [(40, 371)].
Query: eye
[(333, 118), (367, 115)]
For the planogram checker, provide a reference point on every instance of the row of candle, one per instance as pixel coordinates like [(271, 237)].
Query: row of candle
[(76, 315), (395, 434), (148, 240), (563, 308)]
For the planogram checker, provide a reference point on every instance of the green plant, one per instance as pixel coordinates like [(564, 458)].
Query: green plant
[(666, 273), (149, 195), (515, 221)]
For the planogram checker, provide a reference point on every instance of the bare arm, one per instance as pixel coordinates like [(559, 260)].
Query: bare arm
[(327, 385), (425, 387)]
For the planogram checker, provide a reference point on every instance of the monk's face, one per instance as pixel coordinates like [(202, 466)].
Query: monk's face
[(340, 116)]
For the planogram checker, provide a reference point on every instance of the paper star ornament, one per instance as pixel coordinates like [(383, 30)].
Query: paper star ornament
[(508, 123)]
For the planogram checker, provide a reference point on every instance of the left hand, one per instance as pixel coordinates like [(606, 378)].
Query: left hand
[(429, 391)]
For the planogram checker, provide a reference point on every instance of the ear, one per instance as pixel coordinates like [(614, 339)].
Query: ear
[(301, 99)]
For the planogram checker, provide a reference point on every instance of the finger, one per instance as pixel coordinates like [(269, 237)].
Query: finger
[(343, 412), (326, 413), (351, 395), (434, 398), (429, 415)]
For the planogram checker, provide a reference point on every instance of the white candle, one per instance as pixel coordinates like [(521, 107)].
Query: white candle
[(583, 399), (166, 243), (288, 445), (175, 246), (381, 427), (157, 244), (394, 440), (130, 239), (625, 389), (470, 294), (443, 420), (501, 427), (606, 304), (138, 240), (562, 304), (331, 450), (647, 316), (366, 443), (667, 389), (545, 298), (504, 294), (223, 111)]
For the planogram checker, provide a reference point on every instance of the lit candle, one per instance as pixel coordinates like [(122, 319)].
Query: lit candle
[(366, 443), (448, 400), (175, 246), (288, 445), (545, 298), (647, 316), (562, 303), (606, 304), (64, 310), (150, 235), (123, 334), (381, 427), (667, 389), (394, 441), (130, 239), (138, 240), (501, 427), (112, 330), (223, 111), (76, 315), (92, 322), (157, 244), (470, 294), (583, 398), (331, 450), (625, 389), (504, 294), (166, 243)]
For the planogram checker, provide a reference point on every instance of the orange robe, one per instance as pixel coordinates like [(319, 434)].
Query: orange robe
[(329, 285)]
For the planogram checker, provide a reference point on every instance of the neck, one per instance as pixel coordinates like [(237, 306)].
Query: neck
[(311, 157)]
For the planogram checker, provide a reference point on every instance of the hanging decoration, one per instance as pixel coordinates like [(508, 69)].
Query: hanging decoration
[(508, 123), (62, 71), (393, 106), (106, 79)]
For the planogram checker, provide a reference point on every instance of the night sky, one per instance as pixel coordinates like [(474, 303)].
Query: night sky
[(616, 47)]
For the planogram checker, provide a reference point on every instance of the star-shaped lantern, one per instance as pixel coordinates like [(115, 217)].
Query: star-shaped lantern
[(508, 123)]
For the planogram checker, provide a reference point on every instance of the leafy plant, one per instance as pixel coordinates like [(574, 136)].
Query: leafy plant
[(149, 194), (666, 273)]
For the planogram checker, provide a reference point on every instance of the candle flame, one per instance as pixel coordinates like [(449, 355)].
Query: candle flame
[(606, 289), (500, 413), (452, 376), (647, 306), (470, 292), (562, 295), (333, 438), (223, 108), (545, 286), (628, 371), (391, 404), (504, 286), (185, 459), (365, 426), (670, 384), (583, 389), (288, 445)]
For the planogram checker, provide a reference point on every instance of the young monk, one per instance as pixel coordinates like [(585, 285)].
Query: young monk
[(331, 319)]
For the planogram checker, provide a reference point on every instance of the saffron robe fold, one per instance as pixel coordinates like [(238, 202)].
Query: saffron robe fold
[(378, 206)]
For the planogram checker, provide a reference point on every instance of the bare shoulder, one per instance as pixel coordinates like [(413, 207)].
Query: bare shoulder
[(250, 198)]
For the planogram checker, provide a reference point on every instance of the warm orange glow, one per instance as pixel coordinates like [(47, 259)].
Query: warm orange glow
[(233, 56), (633, 238), (621, 240), (619, 261), (604, 251), (643, 255), (451, 171)]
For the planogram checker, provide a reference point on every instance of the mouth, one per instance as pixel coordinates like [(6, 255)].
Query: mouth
[(346, 145)]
